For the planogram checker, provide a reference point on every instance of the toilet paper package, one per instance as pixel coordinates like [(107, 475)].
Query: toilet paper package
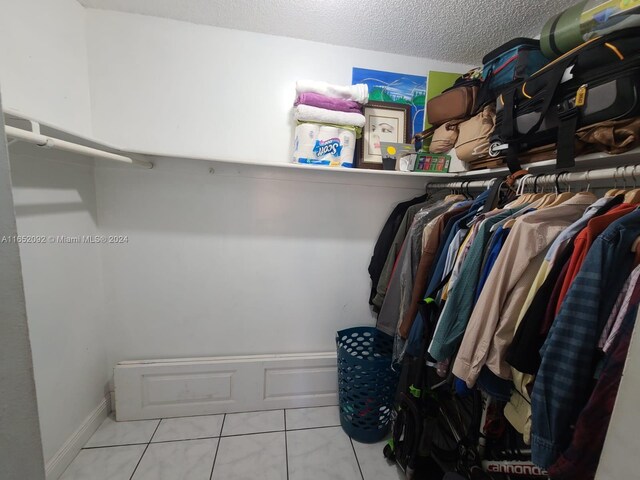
[(305, 139), (326, 145), (348, 140)]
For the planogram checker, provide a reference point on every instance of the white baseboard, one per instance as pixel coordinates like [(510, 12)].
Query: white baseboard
[(61, 460), (206, 386)]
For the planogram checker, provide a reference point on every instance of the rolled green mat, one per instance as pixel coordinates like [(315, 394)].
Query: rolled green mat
[(576, 24), (562, 32)]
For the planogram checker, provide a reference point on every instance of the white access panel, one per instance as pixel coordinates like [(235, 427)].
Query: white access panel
[(205, 386)]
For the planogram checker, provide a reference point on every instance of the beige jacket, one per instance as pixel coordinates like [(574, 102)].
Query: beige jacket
[(492, 323)]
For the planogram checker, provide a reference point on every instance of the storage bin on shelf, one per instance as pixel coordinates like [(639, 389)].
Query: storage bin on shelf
[(366, 382), (328, 145)]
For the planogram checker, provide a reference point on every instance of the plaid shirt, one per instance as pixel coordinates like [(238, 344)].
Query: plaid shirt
[(581, 459), (561, 387)]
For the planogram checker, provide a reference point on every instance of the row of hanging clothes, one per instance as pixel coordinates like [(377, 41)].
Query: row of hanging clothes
[(537, 295)]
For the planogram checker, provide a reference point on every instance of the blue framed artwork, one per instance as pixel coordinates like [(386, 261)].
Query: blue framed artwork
[(396, 88)]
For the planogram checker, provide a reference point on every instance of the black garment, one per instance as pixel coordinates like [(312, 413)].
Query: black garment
[(523, 353), (388, 233)]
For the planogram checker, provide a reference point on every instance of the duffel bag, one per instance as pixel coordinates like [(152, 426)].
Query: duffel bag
[(595, 82), (444, 137), (474, 135), (510, 63), (612, 136), (455, 103)]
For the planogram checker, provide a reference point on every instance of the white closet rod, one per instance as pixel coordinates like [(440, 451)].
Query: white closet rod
[(49, 142), (623, 174)]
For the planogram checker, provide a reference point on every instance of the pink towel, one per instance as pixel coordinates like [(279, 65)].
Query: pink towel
[(321, 101)]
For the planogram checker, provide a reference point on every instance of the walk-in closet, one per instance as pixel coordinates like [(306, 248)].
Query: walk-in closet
[(319, 240)]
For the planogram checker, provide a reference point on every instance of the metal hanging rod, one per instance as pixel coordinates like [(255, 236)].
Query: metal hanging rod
[(622, 173), (49, 142)]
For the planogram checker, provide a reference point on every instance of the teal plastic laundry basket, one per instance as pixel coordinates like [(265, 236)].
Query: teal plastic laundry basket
[(366, 382)]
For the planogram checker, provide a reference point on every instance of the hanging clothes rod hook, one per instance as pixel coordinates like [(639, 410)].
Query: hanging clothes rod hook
[(631, 174), (535, 182), (558, 176), (523, 183), (566, 181)]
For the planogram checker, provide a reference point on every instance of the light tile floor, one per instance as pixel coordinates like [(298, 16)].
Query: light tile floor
[(292, 444)]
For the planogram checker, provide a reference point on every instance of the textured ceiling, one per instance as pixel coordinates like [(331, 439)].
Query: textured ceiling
[(451, 30)]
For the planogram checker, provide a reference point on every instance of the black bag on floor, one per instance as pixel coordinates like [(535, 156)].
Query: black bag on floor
[(597, 81)]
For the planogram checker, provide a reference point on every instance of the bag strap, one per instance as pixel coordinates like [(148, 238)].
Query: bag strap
[(549, 91), (512, 159), (419, 137), (509, 114), (508, 130), (566, 138)]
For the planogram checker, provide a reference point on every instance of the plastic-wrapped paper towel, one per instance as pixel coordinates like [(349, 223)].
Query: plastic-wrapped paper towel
[(324, 145)]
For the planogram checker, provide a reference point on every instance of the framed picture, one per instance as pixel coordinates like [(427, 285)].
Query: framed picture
[(385, 122)]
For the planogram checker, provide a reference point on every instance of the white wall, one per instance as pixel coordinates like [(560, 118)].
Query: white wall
[(20, 448), (226, 265), (44, 74), (175, 87), (229, 264), (43, 61), (618, 458), (64, 291)]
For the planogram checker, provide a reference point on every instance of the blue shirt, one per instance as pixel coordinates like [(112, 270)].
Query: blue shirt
[(457, 310), (495, 245), (451, 230)]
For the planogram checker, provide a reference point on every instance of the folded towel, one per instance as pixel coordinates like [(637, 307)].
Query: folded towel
[(358, 93), (322, 101), (307, 113), (357, 131)]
